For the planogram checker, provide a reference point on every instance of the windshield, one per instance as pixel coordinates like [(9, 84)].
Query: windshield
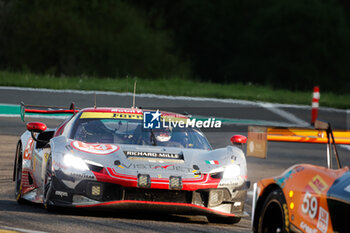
[(130, 131)]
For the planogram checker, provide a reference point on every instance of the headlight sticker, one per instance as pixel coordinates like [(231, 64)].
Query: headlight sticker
[(99, 149)]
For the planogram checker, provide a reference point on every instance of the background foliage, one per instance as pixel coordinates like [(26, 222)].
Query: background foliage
[(70, 37), (291, 44)]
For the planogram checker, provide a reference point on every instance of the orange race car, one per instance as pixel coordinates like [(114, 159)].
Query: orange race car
[(305, 198)]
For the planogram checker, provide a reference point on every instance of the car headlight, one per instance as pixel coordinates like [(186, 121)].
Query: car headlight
[(74, 162), (231, 171)]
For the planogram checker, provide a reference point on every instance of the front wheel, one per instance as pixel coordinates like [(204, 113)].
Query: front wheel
[(18, 174), (274, 213)]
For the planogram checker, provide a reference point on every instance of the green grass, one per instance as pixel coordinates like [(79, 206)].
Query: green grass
[(173, 86)]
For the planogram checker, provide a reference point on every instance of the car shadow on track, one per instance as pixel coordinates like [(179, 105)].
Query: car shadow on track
[(132, 214), (13, 206)]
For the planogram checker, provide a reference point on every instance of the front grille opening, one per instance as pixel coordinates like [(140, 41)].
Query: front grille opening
[(158, 195), (217, 175), (94, 168), (112, 192)]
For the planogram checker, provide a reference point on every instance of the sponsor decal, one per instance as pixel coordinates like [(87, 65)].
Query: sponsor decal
[(82, 175), (322, 223), (307, 228), (46, 157), (111, 115), (155, 120), (34, 163), (126, 110), (236, 181), (310, 205), (157, 167), (44, 164), (29, 149), (286, 217), (61, 194), (212, 162), (317, 184), (158, 155), (99, 149)]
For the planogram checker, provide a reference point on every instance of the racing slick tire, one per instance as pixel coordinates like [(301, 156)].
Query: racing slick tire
[(274, 213), (48, 187), (226, 220), (17, 174)]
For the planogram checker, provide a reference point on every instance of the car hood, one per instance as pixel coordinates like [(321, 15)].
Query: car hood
[(131, 159)]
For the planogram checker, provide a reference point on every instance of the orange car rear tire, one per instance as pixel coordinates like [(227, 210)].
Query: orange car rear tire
[(274, 215)]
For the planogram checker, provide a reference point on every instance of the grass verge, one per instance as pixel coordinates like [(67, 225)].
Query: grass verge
[(173, 86)]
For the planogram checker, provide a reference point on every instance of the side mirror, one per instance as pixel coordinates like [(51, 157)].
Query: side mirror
[(36, 127), (238, 139)]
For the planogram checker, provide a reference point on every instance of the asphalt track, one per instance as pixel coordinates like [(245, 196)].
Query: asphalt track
[(34, 218)]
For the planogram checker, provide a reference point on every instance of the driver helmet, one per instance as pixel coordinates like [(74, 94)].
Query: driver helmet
[(163, 135)]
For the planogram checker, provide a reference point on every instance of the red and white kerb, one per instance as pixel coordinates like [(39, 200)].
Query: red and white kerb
[(315, 104)]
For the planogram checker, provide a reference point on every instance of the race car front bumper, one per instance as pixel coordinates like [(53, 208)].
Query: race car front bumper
[(95, 194)]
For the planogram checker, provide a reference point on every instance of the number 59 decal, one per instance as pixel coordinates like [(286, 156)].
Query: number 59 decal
[(309, 205)]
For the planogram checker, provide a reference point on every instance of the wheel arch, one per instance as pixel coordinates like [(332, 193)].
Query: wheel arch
[(267, 190), (23, 141), (16, 159)]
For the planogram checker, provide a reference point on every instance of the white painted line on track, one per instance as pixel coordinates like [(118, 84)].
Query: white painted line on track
[(20, 229), (33, 116), (14, 105), (128, 94), (10, 115), (286, 115), (347, 147), (308, 107)]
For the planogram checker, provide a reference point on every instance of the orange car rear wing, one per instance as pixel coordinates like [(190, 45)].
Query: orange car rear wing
[(306, 135), (38, 109), (321, 133)]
